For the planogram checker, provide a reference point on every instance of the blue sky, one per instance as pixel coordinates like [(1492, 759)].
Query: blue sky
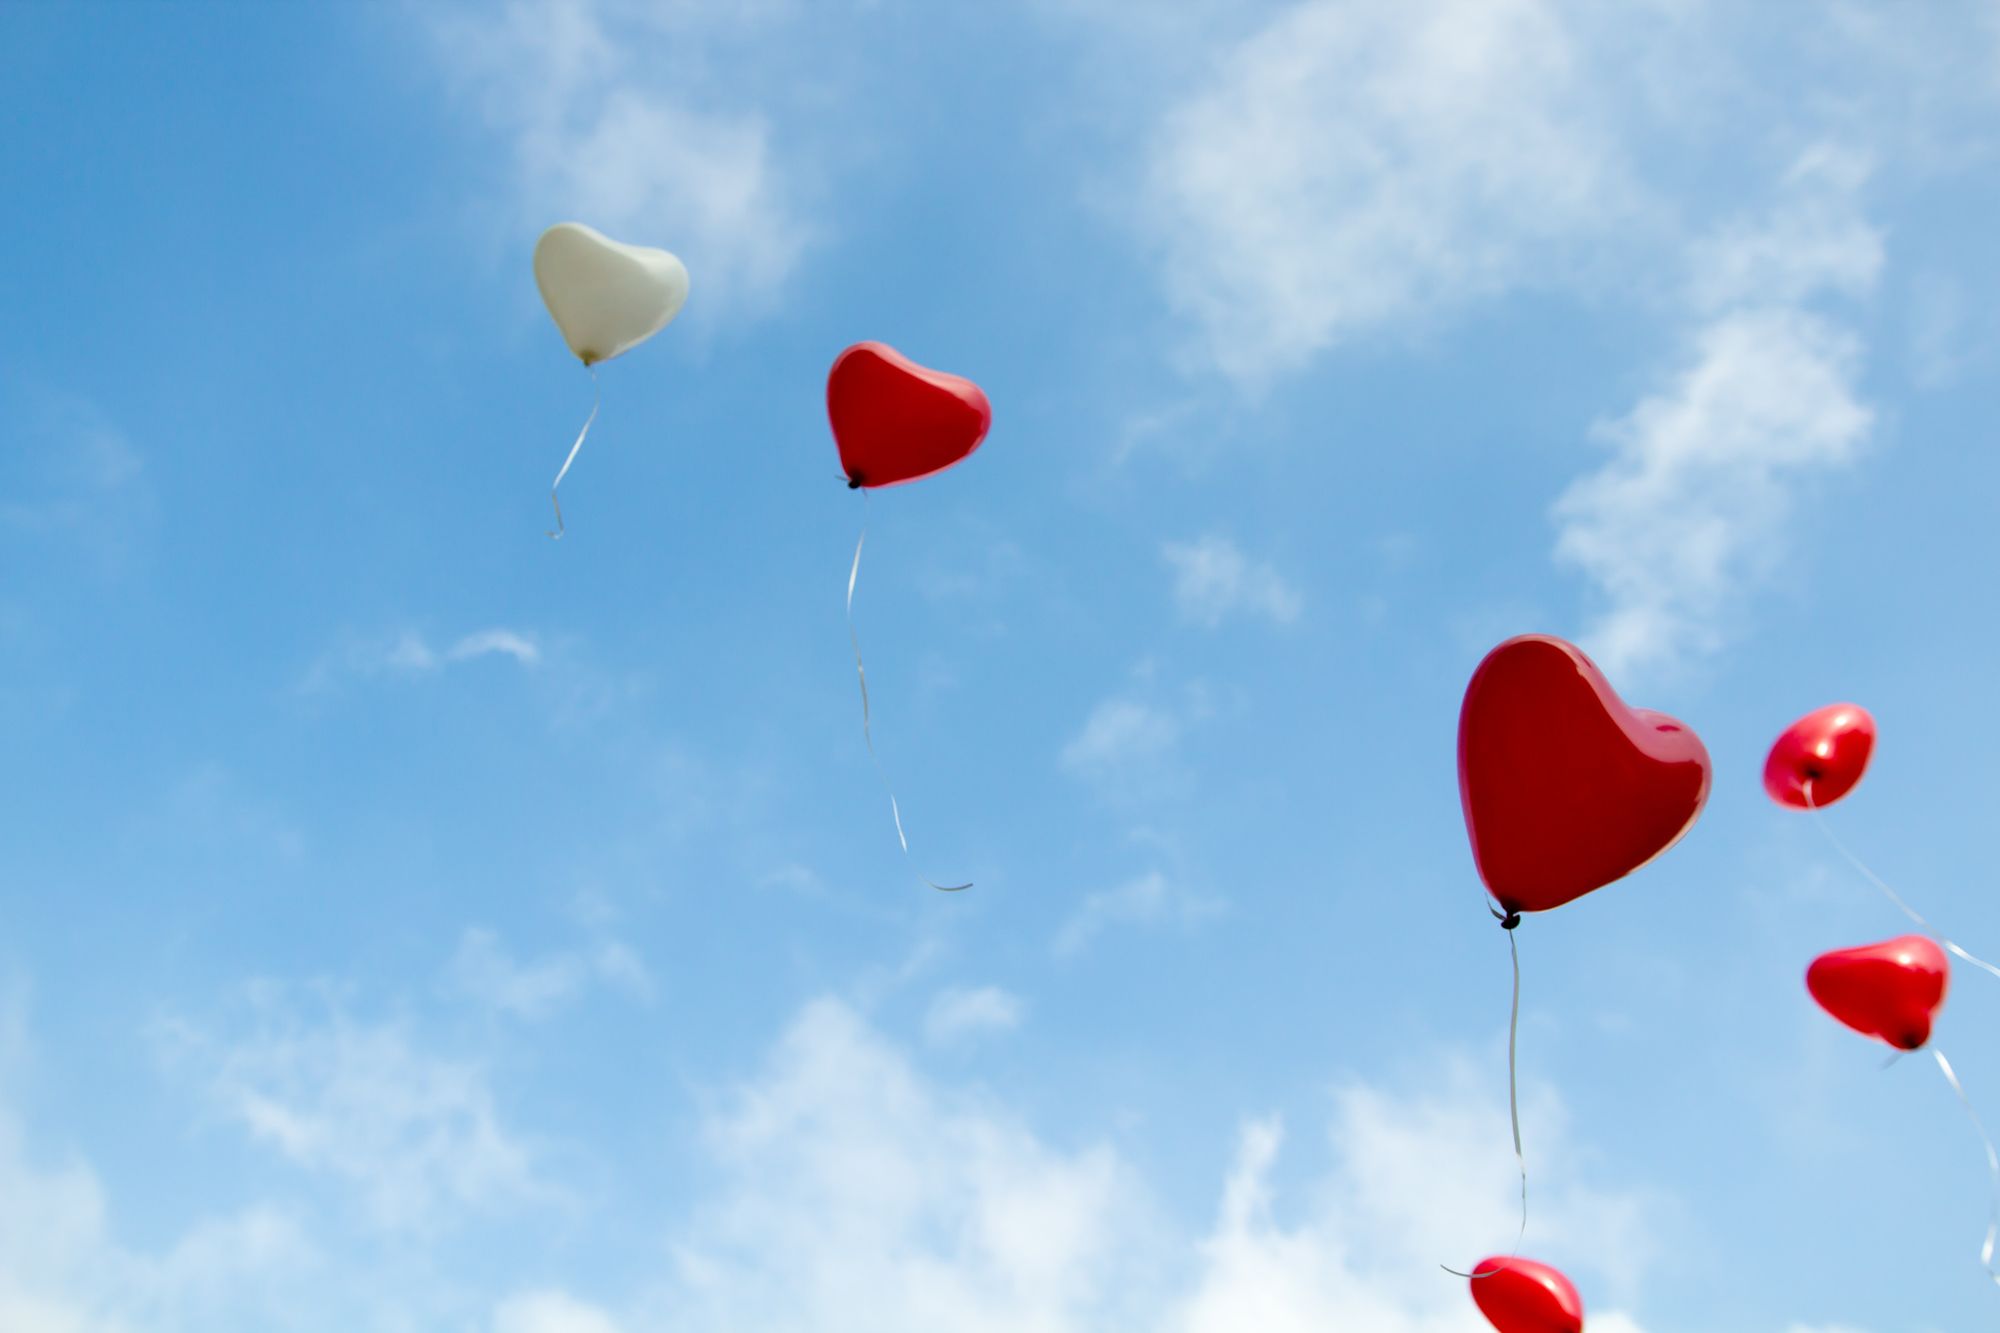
[(409, 923)]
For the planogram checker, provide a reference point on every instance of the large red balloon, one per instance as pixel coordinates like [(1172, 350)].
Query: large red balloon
[(895, 420), (1828, 747), (1565, 788), (1522, 1296), (1890, 990)]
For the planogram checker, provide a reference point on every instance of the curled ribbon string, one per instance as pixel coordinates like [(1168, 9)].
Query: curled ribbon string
[(597, 401), (1992, 1166), (867, 731), (1819, 819), (1508, 922)]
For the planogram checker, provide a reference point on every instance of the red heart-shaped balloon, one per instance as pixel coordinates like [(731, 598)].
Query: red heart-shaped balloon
[(1565, 788), (1828, 747), (1522, 1296), (1890, 990), (895, 420)]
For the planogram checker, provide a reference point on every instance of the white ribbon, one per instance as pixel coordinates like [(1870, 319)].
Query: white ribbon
[(1819, 819), (867, 732), (1513, 1096), (597, 401), (1992, 1166)]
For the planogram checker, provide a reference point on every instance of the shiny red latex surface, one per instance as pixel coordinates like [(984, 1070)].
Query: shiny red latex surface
[(1564, 787), (1891, 991), (1522, 1296), (895, 421), (1828, 747)]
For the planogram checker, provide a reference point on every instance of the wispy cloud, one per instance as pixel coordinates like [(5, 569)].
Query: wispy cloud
[(858, 1193), (76, 479), (550, 1312), (62, 1269), (1118, 734), (416, 1134), (1214, 580), (1128, 748), (958, 1014), (1690, 511), (484, 971), (608, 117), (1410, 157), (412, 654), (1150, 900)]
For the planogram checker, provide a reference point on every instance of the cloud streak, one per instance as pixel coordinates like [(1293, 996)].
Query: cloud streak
[(1214, 580), (1689, 513), (1410, 157)]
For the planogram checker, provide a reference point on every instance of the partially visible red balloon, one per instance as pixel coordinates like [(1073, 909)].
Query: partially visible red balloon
[(1828, 748), (1522, 1296), (1565, 788), (1890, 990), (896, 421)]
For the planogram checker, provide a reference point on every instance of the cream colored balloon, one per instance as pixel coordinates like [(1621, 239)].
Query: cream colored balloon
[(606, 297)]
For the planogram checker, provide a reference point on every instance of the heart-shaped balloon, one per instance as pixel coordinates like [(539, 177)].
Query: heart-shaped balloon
[(606, 297), (1564, 787), (1891, 991), (1522, 1296), (895, 420), (1828, 748)]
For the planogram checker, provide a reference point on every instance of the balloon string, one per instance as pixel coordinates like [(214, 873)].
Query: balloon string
[(867, 730), (597, 401), (1508, 922), (1992, 1166), (1819, 819), (1513, 1096)]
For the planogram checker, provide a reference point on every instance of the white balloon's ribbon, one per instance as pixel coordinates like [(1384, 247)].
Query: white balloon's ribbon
[(867, 731), (1508, 921), (597, 401), (1992, 1166), (1819, 819)]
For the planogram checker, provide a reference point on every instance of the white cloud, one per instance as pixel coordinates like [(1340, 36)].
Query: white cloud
[(1816, 241), (496, 642), (1146, 901), (1120, 738), (416, 1135), (858, 1196), (958, 1013), (1359, 163), (550, 1312), (1213, 580), (62, 1269), (1690, 511), (81, 483), (855, 1193), (411, 654), (483, 970), (610, 116)]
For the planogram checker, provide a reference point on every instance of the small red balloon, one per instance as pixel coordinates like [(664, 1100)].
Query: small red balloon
[(896, 421), (1522, 1296), (1565, 788), (1828, 748), (1890, 990)]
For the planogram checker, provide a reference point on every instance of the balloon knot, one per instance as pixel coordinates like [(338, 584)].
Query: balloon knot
[(853, 483), (1509, 921)]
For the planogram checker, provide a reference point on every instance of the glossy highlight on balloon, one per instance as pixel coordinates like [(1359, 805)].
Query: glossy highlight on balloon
[(1566, 788), (1891, 991), (896, 421), (1521, 1296), (1828, 749)]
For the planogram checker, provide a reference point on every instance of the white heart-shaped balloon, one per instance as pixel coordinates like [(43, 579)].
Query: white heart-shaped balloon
[(606, 297)]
